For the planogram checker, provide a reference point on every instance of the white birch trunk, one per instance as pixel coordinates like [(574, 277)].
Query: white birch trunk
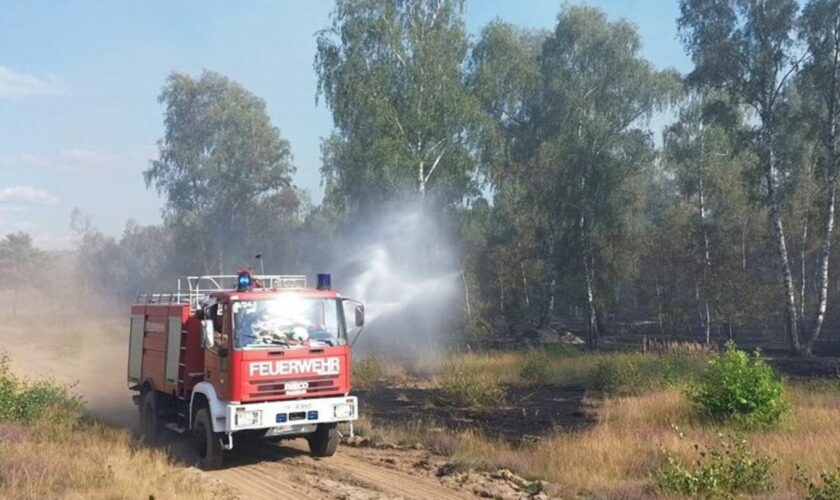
[(822, 276), (781, 249), (833, 150), (706, 317)]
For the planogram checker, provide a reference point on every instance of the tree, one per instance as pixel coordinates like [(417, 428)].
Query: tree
[(503, 74), (596, 90), (219, 157), (820, 29), (746, 48), (19, 260), (390, 71)]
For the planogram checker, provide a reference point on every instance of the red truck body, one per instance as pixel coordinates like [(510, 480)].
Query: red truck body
[(187, 353)]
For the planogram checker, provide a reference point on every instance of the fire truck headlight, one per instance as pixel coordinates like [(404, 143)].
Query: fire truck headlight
[(344, 410), (248, 418)]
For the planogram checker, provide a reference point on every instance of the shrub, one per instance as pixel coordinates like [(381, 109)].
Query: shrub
[(458, 387), (26, 403), (618, 376), (606, 377), (536, 369), (368, 371), (724, 472), (739, 388), (827, 489)]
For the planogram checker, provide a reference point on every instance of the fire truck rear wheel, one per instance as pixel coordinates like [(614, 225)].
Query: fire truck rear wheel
[(151, 425), (324, 441), (207, 443)]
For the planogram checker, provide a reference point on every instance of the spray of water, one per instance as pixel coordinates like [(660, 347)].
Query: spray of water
[(405, 271)]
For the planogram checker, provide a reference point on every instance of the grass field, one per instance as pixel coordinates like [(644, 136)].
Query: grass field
[(49, 450), (641, 416)]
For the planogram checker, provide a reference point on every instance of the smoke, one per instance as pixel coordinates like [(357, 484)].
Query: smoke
[(400, 264), (398, 261)]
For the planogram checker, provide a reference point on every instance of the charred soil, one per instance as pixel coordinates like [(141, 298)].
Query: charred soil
[(525, 411)]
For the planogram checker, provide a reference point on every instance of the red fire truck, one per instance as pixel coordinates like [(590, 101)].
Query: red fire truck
[(225, 356)]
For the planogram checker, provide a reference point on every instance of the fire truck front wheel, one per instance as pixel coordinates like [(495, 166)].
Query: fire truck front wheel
[(324, 441), (206, 442), (150, 422)]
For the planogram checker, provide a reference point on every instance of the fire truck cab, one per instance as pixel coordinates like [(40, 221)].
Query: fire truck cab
[(235, 355)]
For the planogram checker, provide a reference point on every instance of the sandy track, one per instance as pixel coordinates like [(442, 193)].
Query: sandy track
[(95, 363), (287, 471)]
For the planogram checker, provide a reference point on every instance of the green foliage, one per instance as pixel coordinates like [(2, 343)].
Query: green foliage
[(391, 74), (722, 472), (28, 403), (536, 369), (219, 158), (606, 377), (634, 374), (828, 487), (368, 371), (461, 388), (739, 388)]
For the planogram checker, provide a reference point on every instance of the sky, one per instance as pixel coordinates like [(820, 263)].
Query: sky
[(79, 80)]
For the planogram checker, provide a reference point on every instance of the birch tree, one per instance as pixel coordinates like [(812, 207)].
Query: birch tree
[(746, 47), (595, 93), (820, 29), (391, 73)]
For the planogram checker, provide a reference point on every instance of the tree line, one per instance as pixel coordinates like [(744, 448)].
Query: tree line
[(534, 149)]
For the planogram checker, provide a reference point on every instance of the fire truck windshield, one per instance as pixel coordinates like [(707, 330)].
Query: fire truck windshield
[(291, 322)]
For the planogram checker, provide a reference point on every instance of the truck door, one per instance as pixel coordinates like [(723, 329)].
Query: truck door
[(217, 358)]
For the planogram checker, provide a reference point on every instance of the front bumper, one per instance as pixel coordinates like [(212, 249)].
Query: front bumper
[(281, 415)]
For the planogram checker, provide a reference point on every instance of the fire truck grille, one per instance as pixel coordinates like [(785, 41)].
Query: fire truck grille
[(277, 387)]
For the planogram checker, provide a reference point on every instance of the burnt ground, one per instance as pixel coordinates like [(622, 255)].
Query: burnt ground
[(527, 411), (804, 367)]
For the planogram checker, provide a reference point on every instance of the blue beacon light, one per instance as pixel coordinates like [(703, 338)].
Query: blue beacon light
[(324, 281), (243, 282)]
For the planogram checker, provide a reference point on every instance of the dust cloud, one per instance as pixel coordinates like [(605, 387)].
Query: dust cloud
[(86, 352), (398, 262)]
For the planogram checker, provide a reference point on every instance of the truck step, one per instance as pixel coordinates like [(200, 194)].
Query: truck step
[(172, 426)]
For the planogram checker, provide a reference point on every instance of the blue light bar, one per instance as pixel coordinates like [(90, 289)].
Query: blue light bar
[(312, 415), (324, 282), (281, 418)]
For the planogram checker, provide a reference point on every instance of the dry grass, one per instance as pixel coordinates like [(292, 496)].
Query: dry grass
[(48, 450), (617, 456), (92, 461), (571, 369)]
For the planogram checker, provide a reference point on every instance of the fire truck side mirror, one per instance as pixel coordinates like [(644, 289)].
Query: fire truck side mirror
[(360, 315), (207, 333)]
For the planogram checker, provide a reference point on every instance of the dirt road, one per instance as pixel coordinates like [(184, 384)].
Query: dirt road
[(93, 358)]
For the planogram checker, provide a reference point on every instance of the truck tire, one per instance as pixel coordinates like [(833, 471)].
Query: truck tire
[(206, 442), (151, 425), (324, 441)]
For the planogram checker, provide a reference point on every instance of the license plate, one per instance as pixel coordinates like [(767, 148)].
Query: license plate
[(296, 387)]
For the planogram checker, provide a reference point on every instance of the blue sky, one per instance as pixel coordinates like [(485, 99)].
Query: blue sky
[(79, 117)]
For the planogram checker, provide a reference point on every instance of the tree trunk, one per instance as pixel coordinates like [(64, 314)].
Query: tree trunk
[(705, 316), (802, 275), (825, 254), (421, 181), (588, 272), (659, 304), (525, 285), (781, 248), (466, 292), (592, 326), (501, 295)]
